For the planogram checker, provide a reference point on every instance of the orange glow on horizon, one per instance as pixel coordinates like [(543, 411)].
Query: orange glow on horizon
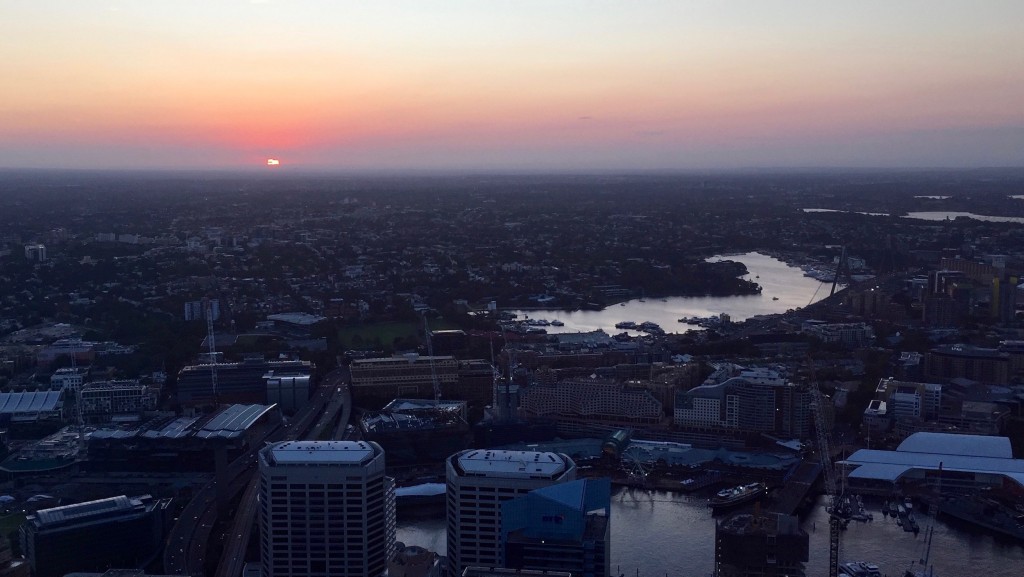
[(404, 84)]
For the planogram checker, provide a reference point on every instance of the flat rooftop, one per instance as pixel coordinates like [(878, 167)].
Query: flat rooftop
[(769, 524), (304, 319), (410, 359), (512, 464), (401, 405), (111, 386), (88, 510), (322, 452)]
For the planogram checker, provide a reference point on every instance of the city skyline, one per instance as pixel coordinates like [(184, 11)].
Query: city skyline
[(511, 85)]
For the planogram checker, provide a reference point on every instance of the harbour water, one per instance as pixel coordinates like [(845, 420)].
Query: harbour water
[(784, 287), (656, 533), (937, 215), (951, 215)]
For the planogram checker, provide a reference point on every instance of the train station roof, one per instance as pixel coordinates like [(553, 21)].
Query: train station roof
[(28, 402), (233, 421)]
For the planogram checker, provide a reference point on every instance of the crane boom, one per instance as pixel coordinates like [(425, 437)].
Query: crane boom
[(208, 313), (430, 355), (825, 457)]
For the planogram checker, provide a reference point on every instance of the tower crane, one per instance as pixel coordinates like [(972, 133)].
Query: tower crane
[(79, 418), (430, 356), (825, 457), (212, 359)]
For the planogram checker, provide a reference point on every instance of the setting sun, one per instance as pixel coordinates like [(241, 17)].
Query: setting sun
[(273, 162)]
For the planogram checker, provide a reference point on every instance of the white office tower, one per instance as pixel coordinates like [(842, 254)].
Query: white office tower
[(326, 509), (478, 482)]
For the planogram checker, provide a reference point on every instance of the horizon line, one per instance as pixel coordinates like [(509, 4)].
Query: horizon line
[(293, 170)]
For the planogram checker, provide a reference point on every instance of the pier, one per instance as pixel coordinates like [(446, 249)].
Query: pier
[(796, 486)]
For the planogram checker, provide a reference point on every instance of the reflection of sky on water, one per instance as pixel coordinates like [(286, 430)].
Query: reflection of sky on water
[(777, 279), (657, 533), (952, 215), (849, 211)]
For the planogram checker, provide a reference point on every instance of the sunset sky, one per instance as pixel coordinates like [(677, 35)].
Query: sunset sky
[(511, 85)]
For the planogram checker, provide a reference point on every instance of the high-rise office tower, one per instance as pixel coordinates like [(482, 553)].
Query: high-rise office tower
[(326, 509), (478, 482)]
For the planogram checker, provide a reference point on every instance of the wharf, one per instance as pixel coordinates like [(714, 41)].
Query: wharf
[(795, 488)]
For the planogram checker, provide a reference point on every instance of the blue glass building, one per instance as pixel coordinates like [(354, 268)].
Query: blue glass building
[(563, 527)]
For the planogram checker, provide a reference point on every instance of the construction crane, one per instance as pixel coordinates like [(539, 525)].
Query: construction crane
[(79, 417), (825, 457), (502, 403), (212, 359), (430, 356)]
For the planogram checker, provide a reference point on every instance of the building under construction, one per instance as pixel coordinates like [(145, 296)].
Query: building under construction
[(250, 381), (376, 381), (417, 431), (760, 545)]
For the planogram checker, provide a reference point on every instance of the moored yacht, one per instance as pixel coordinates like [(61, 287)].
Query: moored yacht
[(859, 569), (736, 496)]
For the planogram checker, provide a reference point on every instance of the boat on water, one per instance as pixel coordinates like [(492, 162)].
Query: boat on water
[(893, 508), (708, 322), (985, 512), (650, 327), (859, 569), (910, 524), (736, 496)]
